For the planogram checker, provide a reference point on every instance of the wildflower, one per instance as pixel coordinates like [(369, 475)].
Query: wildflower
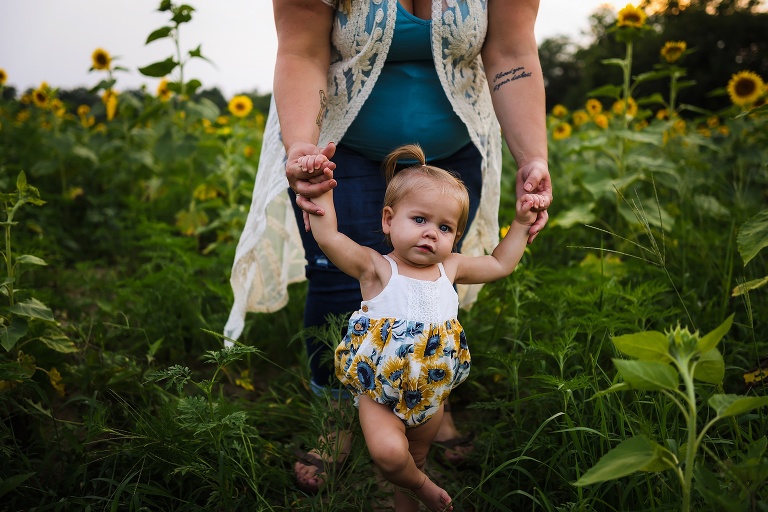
[(662, 114), (559, 111), (222, 120), (580, 117), (631, 16), (248, 151), (562, 131), (240, 106), (55, 379), (58, 107), (101, 59), (163, 92), (110, 102), (601, 120), (673, 50), (40, 97), (3, 76), (745, 87), (504, 230), (594, 107)]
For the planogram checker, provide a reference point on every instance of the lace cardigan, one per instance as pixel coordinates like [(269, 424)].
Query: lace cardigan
[(269, 254)]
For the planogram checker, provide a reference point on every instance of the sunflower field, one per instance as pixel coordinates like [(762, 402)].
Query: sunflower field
[(623, 366)]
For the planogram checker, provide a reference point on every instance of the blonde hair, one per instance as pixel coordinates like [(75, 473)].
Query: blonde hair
[(401, 182), (344, 6)]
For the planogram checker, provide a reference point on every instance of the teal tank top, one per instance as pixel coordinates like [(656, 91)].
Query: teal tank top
[(407, 105)]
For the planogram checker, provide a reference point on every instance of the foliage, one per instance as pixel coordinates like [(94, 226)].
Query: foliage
[(659, 220)]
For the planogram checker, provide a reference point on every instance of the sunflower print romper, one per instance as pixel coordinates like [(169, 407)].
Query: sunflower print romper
[(405, 348)]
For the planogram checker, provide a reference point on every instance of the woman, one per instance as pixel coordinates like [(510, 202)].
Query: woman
[(372, 75)]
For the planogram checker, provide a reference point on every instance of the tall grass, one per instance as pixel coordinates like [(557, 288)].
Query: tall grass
[(658, 221)]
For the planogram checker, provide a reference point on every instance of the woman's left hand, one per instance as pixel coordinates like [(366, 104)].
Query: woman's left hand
[(533, 178)]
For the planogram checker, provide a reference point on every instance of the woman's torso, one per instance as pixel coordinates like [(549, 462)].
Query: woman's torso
[(408, 103)]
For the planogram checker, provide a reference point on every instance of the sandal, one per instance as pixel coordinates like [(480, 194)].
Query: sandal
[(323, 468), (450, 445)]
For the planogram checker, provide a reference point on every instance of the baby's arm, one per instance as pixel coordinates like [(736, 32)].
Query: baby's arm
[(505, 257), (351, 258)]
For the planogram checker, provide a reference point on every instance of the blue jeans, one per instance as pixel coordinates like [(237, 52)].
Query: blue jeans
[(359, 199)]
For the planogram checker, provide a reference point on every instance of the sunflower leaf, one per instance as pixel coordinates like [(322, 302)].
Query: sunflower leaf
[(753, 236), (159, 69), (159, 34)]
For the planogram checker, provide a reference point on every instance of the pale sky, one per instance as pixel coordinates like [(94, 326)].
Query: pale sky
[(52, 40)]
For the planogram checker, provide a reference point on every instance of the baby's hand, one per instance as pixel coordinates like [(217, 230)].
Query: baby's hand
[(528, 207), (318, 166)]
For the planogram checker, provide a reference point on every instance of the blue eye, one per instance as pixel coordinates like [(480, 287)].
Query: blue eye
[(445, 229), (419, 220)]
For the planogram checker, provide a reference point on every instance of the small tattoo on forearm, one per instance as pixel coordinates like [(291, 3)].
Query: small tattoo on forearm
[(323, 105), (505, 77)]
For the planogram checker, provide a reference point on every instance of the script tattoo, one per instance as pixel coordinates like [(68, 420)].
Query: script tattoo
[(323, 104), (509, 76)]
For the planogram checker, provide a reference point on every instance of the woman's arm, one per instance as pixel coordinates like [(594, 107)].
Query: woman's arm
[(301, 75), (511, 60)]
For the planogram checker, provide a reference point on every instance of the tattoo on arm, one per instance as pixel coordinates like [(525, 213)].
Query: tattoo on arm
[(511, 75), (323, 105)]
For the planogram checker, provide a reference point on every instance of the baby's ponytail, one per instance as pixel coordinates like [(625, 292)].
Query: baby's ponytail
[(407, 152)]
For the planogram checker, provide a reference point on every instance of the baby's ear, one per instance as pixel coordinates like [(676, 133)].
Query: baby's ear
[(386, 219)]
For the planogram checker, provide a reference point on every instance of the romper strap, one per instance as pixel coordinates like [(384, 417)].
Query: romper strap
[(442, 270), (392, 264)]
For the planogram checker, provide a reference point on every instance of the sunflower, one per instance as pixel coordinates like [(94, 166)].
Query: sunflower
[(414, 402), (673, 50), (435, 375), (101, 59), (40, 97), (745, 87), (109, 98), (601, 120), (362, 375), (594, 107), (240, 106), (662, 114), (163, 92), (3, 76), (559, 111), (628, 107), (83, 110), (631, 16), (429, 346), (713, 121), (580, 117), (561, 131)]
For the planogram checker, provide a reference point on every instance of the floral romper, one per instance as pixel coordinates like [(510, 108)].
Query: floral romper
[(405, 348)]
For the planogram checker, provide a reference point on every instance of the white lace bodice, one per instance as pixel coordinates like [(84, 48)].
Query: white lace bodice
[(269, 255), (406, 298)]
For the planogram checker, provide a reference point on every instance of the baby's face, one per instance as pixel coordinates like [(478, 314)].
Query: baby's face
[(422, 226)]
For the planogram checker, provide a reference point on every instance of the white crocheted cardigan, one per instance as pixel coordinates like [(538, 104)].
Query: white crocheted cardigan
[(269, 254)]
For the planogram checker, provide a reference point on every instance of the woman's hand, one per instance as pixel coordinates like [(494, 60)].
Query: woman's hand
[(310, 174), (533, 178)]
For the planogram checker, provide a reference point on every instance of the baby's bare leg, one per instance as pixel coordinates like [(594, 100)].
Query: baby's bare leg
[(401, 455)]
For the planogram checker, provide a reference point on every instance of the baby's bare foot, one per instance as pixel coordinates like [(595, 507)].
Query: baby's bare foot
[(433, 497)]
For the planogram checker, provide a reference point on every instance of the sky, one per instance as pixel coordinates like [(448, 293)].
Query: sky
[(52, 40)]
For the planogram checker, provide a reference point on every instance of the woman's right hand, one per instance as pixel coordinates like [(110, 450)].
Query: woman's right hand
[(310, 173)]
